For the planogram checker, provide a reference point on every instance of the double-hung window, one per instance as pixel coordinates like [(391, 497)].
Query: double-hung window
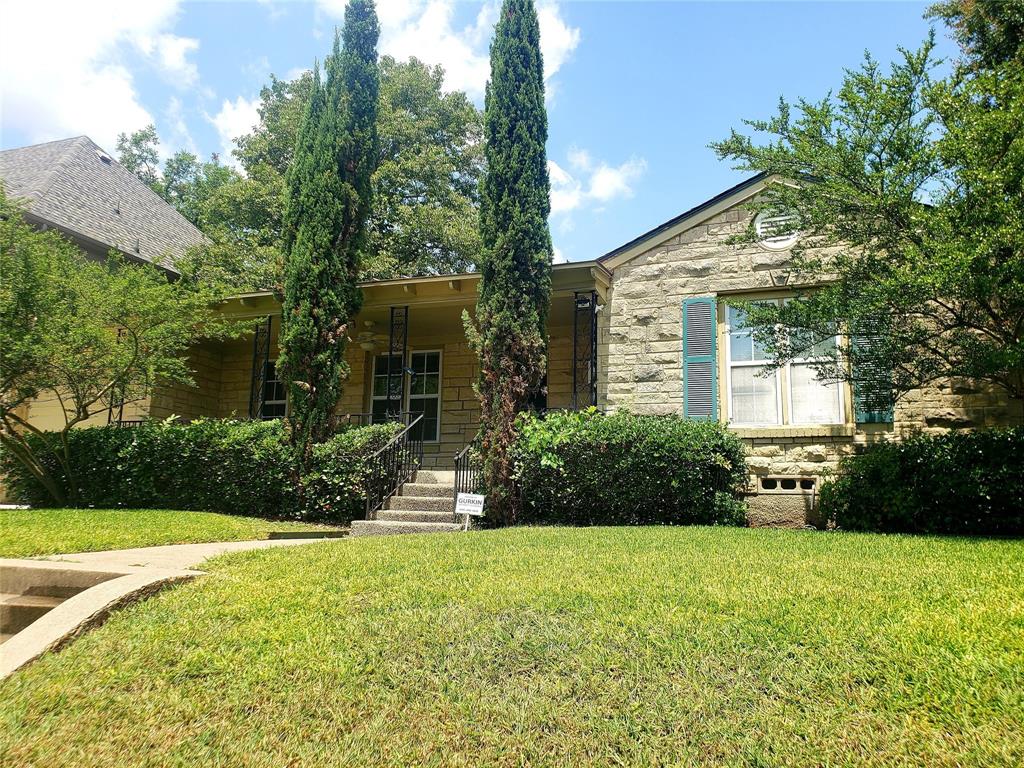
[(275, 398), (425, 393), (381, 403), (422, 396), (792, 394)]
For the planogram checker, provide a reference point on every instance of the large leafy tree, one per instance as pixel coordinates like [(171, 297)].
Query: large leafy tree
[(327, 205), (909, 191), (85, 336), (425, 186), (139, 154), (510, 334)]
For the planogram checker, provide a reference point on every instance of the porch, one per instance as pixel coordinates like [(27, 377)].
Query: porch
[(407, 353)]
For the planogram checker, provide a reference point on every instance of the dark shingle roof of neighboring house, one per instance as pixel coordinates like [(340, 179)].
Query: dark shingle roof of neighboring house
[(75, 186)]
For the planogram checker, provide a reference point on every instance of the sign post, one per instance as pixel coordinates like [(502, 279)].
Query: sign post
[(469, 505)]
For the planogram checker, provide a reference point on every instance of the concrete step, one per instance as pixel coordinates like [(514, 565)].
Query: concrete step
[(414, 516), (428, 489), (442, 476), (18, 611), (394, 527), (422, 503)]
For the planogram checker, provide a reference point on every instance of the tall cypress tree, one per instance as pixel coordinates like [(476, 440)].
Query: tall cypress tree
[(326, 209), (511, 313)]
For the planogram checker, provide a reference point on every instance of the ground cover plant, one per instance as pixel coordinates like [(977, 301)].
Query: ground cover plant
[(30, 532), (552, 646), (585, 468), (957, 482)]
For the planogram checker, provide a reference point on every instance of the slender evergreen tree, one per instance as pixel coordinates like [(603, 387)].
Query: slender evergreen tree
[(510, 335), (326, 209)]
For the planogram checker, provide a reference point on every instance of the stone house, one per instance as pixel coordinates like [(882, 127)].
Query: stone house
[(645, 327)]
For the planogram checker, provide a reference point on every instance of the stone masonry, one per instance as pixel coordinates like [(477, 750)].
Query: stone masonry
[(641, 355)]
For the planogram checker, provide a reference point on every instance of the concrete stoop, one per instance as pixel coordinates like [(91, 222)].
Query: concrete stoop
[(424, 505)]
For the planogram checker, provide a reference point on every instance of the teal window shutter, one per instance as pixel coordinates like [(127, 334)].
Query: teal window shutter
[(700, 368), (872, 388)]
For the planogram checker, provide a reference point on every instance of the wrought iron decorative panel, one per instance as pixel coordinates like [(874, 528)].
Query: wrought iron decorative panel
[(398, 337), (260, 358), (584, 350)]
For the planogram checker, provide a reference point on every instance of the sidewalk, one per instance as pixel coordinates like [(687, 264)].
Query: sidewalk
[(172, 556), (88, 586)]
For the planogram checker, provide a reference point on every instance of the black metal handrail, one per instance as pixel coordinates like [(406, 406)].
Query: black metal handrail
[(469, 476), (393, 465)]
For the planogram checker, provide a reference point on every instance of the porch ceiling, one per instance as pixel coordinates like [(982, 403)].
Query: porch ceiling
[(444, 318)]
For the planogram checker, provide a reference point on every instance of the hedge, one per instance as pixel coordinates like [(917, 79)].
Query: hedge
[(216, 465), (585, 468), (954, 483)]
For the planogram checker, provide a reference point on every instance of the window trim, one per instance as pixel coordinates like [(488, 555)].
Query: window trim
[(440, 388), (730, 364), (266, 402), (407, 395), (783, 380), (373, 380)]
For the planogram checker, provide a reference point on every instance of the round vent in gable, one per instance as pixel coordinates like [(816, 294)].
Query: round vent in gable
[(777, 232)]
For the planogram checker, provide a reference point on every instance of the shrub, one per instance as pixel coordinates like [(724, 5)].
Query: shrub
[(957, 483), (335, 486), (584, 468), (216, 465)]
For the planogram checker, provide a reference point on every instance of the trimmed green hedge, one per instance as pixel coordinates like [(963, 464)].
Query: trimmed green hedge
[(216, 465), (954, 483), (584, 468)]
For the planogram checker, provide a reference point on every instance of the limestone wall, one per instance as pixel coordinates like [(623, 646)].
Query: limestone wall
[(641, 351), (200, 399)]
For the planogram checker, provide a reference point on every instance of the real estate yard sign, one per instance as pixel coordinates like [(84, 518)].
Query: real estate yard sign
[(470, 505)]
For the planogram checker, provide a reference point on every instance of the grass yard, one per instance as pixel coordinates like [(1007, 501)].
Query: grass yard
[(28, 532), (561, 647)]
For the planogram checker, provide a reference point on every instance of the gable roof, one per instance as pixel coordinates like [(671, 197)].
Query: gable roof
[(75, 186), (684, 221)]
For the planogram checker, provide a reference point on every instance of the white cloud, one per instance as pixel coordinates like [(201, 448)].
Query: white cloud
[(608, 182), (426, 29), (594, 182), (557, 39), (579, 158), (566, 191), (178, 135), (172, 54), (557, 256), (63, 65), (235, 118)]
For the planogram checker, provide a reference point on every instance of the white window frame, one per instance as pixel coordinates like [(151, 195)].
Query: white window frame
[(267, 402), (373, 380), (407, 395), (789, 393), (440, 387), (729, 364), (783, 384)]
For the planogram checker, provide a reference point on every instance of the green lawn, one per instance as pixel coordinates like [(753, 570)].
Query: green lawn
[(656, 646), (28, 532)]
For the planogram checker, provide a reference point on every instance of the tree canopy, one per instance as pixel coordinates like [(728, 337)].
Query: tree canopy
[(908, 190), (425, 186), (510, 334), (85, 336), (327, 205)]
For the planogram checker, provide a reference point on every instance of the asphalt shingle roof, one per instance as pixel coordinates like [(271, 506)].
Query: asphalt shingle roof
[(74, 185)]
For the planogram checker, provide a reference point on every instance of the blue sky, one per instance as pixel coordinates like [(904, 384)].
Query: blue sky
[(636, 90)]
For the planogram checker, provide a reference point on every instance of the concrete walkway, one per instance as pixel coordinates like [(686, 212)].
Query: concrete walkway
[(90, 585), (177, 557)]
